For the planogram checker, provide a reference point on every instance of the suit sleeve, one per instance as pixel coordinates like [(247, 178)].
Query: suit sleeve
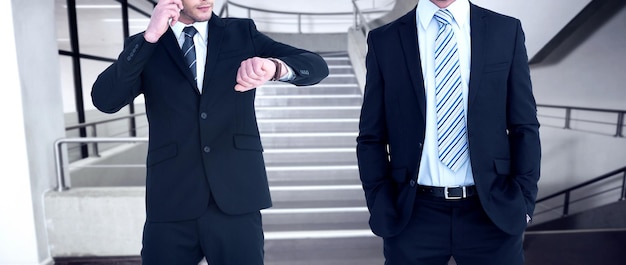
[(119, 84), (372, 140), (309, 67), (522, 125)]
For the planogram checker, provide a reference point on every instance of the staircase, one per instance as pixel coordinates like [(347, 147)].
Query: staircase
[(583, 224), (309, 137), (319, 216)]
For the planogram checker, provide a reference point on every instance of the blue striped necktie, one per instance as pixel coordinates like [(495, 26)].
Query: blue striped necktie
[(189, 49), (451, 131)]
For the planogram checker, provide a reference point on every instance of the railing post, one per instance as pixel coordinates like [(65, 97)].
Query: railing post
[(620, 125), (94, 134), (224, 11), (566, 204), (300, 23), (58, 157), (568, 116), (357, 21), (623, 197)]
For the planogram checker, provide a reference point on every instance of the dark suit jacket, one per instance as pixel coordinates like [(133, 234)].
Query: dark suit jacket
[(502, 126), (200, 144)]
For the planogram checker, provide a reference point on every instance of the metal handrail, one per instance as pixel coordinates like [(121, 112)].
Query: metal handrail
[(567, 192), (94, 132), (224, 12), (61, 165), (619, 131), (360, 22)]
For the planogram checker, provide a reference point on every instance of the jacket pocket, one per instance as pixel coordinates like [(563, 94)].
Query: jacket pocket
[(248, 142)]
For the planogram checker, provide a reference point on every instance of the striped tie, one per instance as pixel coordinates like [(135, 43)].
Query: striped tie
[(189, 49), (451, 132)]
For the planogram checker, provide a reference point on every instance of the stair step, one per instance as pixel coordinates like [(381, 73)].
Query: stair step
[(315, 218), (322, 193), (308, 112), (308, 125), (347, 78), (330, 173), (338, 61), (340, 69), (324, 89), (318, 155), (339, 247), (308, 139)]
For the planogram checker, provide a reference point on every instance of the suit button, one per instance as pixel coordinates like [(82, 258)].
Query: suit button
[(207, 149), (421, 145), (412, 182), (203, 115)]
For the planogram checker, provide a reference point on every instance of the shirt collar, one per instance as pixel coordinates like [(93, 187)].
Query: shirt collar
[(201, 27), (426, 10)]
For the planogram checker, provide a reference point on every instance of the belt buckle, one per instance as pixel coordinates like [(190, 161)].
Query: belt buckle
[(448, 197)]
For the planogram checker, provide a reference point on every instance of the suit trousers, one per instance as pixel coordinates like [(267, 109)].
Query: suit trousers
[(440, 229), (223, 239)]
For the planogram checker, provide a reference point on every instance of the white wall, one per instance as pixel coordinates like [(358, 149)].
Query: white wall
[(32, 119), (540, 19), (592, 75), (17, 226)]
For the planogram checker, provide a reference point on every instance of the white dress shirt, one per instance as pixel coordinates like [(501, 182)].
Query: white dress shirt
[(432, 171)]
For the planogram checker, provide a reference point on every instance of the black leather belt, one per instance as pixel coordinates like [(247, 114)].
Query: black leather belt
[(448, 193)]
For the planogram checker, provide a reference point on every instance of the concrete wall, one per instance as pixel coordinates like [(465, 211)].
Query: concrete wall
[(96, 221), (32, 118), (541, 19), (357, 50)]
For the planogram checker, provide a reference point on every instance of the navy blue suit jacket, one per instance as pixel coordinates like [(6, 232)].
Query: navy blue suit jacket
[(503, 131), (200, 144)]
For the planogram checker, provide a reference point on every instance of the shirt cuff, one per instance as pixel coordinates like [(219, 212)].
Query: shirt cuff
[(289, 75)]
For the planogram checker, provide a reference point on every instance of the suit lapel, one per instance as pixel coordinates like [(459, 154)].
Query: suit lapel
[(216, 33), (169, 41), (478, 35), (408, 37)]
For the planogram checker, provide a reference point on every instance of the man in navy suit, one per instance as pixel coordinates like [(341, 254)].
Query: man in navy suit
[(206, 179), (448, 148)]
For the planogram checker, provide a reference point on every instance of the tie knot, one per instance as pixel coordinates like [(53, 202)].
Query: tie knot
[(190, 31), (443, 17)]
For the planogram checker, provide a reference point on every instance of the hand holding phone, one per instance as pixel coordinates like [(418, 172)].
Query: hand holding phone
[(165, 13)]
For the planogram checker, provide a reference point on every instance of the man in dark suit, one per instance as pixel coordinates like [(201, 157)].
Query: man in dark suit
[(449, 148), (206, 179)]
